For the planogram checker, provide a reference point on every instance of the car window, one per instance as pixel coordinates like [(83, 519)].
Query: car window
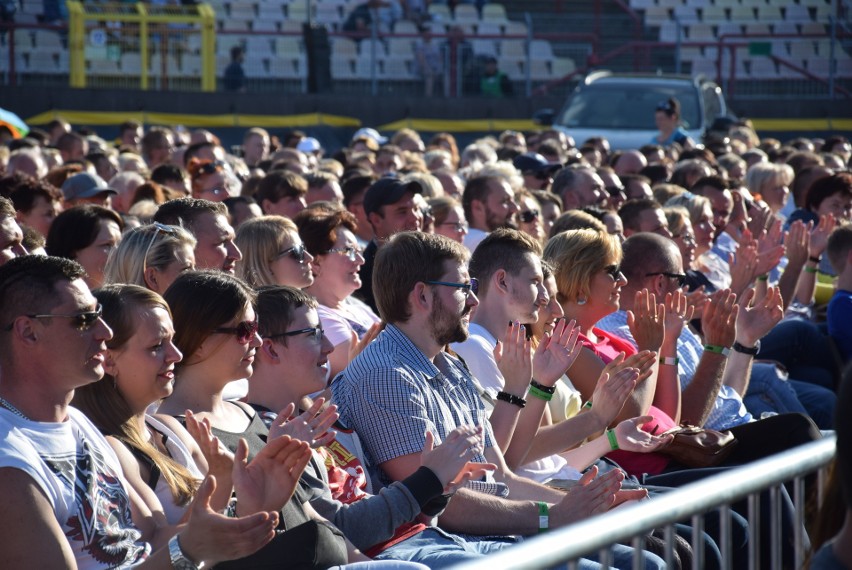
[(627, 106)]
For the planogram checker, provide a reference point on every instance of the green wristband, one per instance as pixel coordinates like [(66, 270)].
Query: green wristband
[(763, 277), (811, 269), (543, 516), (613, 441), (717, 349), (540, 394), (587, 405)]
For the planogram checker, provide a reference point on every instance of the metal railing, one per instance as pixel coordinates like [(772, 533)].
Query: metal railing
[(693, 500)]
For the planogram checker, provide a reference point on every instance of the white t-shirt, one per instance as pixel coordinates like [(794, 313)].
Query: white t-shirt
[(182, 456), (352, 315), (473, 237), (81, 477)]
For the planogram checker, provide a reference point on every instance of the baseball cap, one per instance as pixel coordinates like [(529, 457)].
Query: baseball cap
[(309, 144), (534, 162), (85, 185), (388, 191), (370, 134)]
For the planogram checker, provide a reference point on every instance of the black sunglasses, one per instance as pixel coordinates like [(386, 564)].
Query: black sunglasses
[(316, 333), (244, 331), (297, 252), (529, 216), (681, 277), (614, 271), (81, 321)]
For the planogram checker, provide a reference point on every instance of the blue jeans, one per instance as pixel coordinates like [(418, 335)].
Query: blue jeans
[(769, 390), (803, 349), (438, 549)]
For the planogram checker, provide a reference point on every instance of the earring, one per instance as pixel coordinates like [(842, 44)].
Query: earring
[(581, 300)]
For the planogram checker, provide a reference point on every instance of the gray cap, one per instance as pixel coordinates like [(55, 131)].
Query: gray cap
[(85, 185)]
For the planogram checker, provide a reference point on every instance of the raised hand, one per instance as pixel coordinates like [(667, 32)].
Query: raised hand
[(743, 266), (760, 218), (797, 242), (514, 359), (220, 461), (590, 496), (450, 461), (312, 426), (753, 323), (357, 346), (678, 312), (268, 482), (720, 319), (697, 300), (556, 353), (611, 391), (819, 235), (646, 321), (211, 537), (631, 437), (770, 250)]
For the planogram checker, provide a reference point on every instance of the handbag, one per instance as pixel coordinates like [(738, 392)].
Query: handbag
[(693, 446)]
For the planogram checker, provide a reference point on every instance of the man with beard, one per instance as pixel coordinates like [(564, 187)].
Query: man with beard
[(390, 208), (403, 384), (488, 203)]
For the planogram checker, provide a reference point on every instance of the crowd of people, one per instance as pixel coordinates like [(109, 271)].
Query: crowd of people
[(403, 354)]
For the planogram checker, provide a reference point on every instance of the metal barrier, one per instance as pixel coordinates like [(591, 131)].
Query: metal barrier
[(600, 532), (123, 45)]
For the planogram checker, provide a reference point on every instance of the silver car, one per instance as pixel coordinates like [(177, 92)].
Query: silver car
[(620, 107)]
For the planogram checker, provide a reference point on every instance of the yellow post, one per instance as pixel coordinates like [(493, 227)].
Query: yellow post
[(76, 45), (208, 47), (143, 46)]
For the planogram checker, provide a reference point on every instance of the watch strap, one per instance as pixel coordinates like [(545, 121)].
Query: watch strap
[(752, 351)]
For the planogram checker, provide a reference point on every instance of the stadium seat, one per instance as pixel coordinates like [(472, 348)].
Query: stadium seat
[(298, 11), (785, 28), (367, 46), (742, 14), (701, 33), (230, 25), (131, 63), (689, 53), (42, 62), (466, 14), (763, 68), (259, 46), (103, 67), (440, 12), (669, 31), (656, 15), (224, 43), (242, 11), (343, 48), (758, 29), (397, 69), (47, 41), (515, 28), (803, 49), (489, 29), (264, 26), (405, 27), (713, 14), (813, 29), (494, 13), (540, 70), (256, 68), (287, 68), (484, 47), (642, 4), (796, 13), (403, 47), (541, 49), (729, 29), (563, 66), (685, 14), (270, 12), (769, 13), (513, 51)]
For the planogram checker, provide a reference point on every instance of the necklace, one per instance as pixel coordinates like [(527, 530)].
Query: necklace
[(12, 409)]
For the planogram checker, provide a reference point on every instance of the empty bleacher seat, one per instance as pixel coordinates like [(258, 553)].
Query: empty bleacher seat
[(515, 28), (701, 33), (484, 47), (796, 13), (343, 47), (742, 13), (713, 13), (541, 49), (494, 13), (763, 68), (288, 46), (466, 14), (769, 13), (343, 68), (489, 29), (42, 62), (259, 46), (785, 28), (685, 14), (656, 15)]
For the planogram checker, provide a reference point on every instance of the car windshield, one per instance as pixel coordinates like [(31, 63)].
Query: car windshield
[(627, 106)]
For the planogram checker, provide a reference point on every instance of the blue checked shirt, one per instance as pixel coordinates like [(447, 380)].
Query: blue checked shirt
[(391, 394), (728, 409)]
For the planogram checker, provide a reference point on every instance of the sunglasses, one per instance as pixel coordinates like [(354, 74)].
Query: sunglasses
[(529, 216), (81, 321), (467, 288), (316, 333), (210, 167), (297, 252), (244, 331), (614, 271), (351, 253), (158, 227), (681, 277), (614, 190)]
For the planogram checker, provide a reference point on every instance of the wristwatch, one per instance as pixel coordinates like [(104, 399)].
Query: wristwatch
[(746, 350), (179, 560)]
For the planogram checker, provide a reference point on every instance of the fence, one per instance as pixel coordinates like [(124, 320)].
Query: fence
[(691, 500)]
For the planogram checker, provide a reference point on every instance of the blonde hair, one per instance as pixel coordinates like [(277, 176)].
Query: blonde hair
[(576, 255), (696, 205), (432, 187), (762, 174), (676, 216), (145, 246), (260, 240)]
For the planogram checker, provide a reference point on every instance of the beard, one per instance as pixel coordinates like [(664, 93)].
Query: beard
[(494, 221), (446, 326)]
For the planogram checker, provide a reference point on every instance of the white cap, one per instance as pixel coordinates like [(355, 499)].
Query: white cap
[(309, 144), (370, 133)]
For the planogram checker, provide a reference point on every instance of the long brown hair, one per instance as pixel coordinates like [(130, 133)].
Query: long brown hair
[(103, 403)]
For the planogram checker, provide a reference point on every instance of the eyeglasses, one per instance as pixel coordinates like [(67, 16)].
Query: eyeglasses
[(315, 332), (458, 226), (614, 190), (688, 239), (351, 253), (244, 331), (614, 271), (467, 288), (82, 321), (681, 277), (529, 216), (297, 252), (210, 167), (158, 227)]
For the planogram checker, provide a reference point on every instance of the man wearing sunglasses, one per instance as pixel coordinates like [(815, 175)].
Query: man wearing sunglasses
[(66, 502), (537, 172), (404, 384)]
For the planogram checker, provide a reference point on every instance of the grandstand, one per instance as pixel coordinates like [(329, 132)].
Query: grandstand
[(774, 46)]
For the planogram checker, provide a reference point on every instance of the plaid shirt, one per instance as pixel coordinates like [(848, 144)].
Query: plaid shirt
[(391, 394)]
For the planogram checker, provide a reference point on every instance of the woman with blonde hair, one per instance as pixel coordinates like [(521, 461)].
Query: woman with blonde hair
[(273, 253), (770, 182), (151, 256)]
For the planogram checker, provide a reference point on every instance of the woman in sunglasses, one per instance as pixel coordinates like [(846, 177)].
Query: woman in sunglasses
[(330, 238), (151, 256), (208, 179), (529, 216), (273, 253)]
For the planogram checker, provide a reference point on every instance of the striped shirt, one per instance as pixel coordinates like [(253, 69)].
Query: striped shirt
[(392, 394)]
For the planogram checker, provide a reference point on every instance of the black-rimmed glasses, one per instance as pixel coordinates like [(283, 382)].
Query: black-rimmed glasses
[(244, 331), (158, 227), (467, 288), (297, 252), (315, 333), (681, 277), (81, 321), (351, 253), (529, 216)]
